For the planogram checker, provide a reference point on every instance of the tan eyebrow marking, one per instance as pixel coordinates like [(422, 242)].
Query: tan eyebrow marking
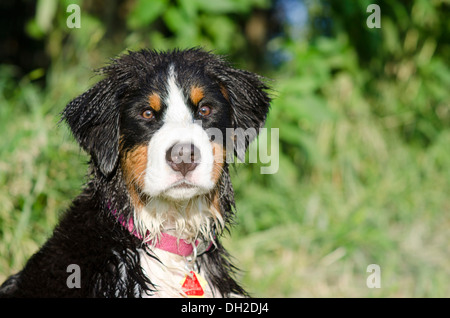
[(154, 101), (197, 94)]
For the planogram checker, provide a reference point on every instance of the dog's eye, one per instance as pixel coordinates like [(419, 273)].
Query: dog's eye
[(148, 114), (204, 111)]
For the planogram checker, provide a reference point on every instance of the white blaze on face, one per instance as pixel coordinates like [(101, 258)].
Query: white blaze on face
[(178, 128), (177, 111)]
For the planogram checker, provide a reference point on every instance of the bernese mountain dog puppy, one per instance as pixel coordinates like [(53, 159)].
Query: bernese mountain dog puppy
[(160, 128)]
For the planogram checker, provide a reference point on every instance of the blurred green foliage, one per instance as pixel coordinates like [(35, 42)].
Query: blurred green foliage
[(364, 125)]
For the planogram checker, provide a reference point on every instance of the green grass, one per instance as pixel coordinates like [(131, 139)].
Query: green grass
[(40, 169), (348, 193), (368, 197)]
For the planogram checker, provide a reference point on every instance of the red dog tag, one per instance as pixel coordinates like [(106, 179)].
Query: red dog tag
[(191, 285)]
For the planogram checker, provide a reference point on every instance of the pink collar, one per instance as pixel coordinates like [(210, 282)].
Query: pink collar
[(166, 242)]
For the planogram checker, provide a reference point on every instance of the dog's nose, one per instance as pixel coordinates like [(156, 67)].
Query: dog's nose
[(183, 157)]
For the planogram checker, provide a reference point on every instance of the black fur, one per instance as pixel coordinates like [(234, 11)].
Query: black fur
[(88, 234)]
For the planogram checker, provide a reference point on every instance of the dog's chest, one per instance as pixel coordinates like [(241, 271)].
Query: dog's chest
[(167, 272)]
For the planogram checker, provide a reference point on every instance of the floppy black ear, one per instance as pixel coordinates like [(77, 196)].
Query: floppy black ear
[(249, 101), (93, 118)]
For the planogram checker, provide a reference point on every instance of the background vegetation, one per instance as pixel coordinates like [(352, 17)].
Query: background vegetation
[(363, 117)]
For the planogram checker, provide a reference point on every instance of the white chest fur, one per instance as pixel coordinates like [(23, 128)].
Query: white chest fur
[(167, 271)]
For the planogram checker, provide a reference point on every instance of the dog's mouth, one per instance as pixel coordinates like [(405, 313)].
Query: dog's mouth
[(183, 190), (183, 184)]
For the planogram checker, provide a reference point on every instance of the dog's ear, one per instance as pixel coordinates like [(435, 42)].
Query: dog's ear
[(249, 102), (93, 118)]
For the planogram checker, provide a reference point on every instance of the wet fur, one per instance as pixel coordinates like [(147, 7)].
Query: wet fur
[(88, 233)]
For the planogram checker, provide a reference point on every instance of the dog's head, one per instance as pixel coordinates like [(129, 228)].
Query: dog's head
[(164, 120)]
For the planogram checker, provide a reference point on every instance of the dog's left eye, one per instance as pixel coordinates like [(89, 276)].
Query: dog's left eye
[(148, 114), (204, 111)]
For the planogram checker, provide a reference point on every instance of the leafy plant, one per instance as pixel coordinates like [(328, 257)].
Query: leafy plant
[(364, 131)]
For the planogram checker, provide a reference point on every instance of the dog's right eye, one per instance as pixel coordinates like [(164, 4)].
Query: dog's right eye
[(204, 111), (148, 114)]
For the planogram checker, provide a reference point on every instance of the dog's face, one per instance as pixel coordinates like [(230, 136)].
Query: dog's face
[(162, 119), (166, 131)]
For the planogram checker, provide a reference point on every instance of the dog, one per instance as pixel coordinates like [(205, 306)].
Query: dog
[(160, 129)]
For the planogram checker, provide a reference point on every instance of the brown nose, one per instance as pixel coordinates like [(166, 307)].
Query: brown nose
[(183, 157)]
